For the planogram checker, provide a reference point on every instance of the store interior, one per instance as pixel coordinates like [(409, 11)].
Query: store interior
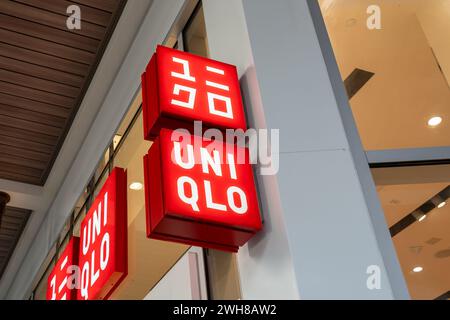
[(402, 100)]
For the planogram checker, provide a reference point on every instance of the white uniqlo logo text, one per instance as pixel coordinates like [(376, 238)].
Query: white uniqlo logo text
[(178, 87), (63, 283), (212, 97)]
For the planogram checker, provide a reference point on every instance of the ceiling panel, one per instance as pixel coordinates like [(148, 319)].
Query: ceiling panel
[(45, 70), (12, 225)]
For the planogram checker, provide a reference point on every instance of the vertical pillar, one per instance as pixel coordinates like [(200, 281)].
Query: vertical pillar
[(323, 223)]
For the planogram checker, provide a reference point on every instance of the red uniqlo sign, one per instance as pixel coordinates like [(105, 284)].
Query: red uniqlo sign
[(61, 284), (198, 193), (179, 87), (103, 240)]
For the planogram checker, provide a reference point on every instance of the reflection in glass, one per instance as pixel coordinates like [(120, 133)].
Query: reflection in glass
[(397, 77), (414, 200)]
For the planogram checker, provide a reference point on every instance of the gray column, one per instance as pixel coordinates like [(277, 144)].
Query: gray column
[(323, 222)]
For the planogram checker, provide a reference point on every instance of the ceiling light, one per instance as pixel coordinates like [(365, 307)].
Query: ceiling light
[(419, 216), (116, 140), (434, 121), (136, 186), (439, 200), (417, 269)]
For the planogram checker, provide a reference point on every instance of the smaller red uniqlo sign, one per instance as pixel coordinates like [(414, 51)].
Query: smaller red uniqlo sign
[(61, 283), (197, 192), (178, 88), (103, 240)]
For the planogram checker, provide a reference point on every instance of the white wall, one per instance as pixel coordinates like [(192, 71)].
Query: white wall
[(184, 281)]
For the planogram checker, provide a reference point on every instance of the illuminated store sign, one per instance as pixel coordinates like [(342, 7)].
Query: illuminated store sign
[(196, 191), (199, 193), (103, 240), (179, 87), (61, 283)]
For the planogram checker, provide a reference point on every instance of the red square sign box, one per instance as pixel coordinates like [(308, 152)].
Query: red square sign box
[(178, 88), (197, 193), (103, 240)]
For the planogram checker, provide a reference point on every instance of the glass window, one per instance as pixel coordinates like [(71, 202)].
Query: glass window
[(184, 281), (65, 233), (417, 210), (223, 275), (40, 291), (64, 241), (100, 182), (148, 259), (194, 34), (81, 201), (102, 164), (78, 219), (394, 58)]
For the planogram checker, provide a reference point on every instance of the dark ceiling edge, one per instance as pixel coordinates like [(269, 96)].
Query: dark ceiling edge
[(92, 71), (377, 165), (424, 208), (10, 253), (356, 81), (445, 296)]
